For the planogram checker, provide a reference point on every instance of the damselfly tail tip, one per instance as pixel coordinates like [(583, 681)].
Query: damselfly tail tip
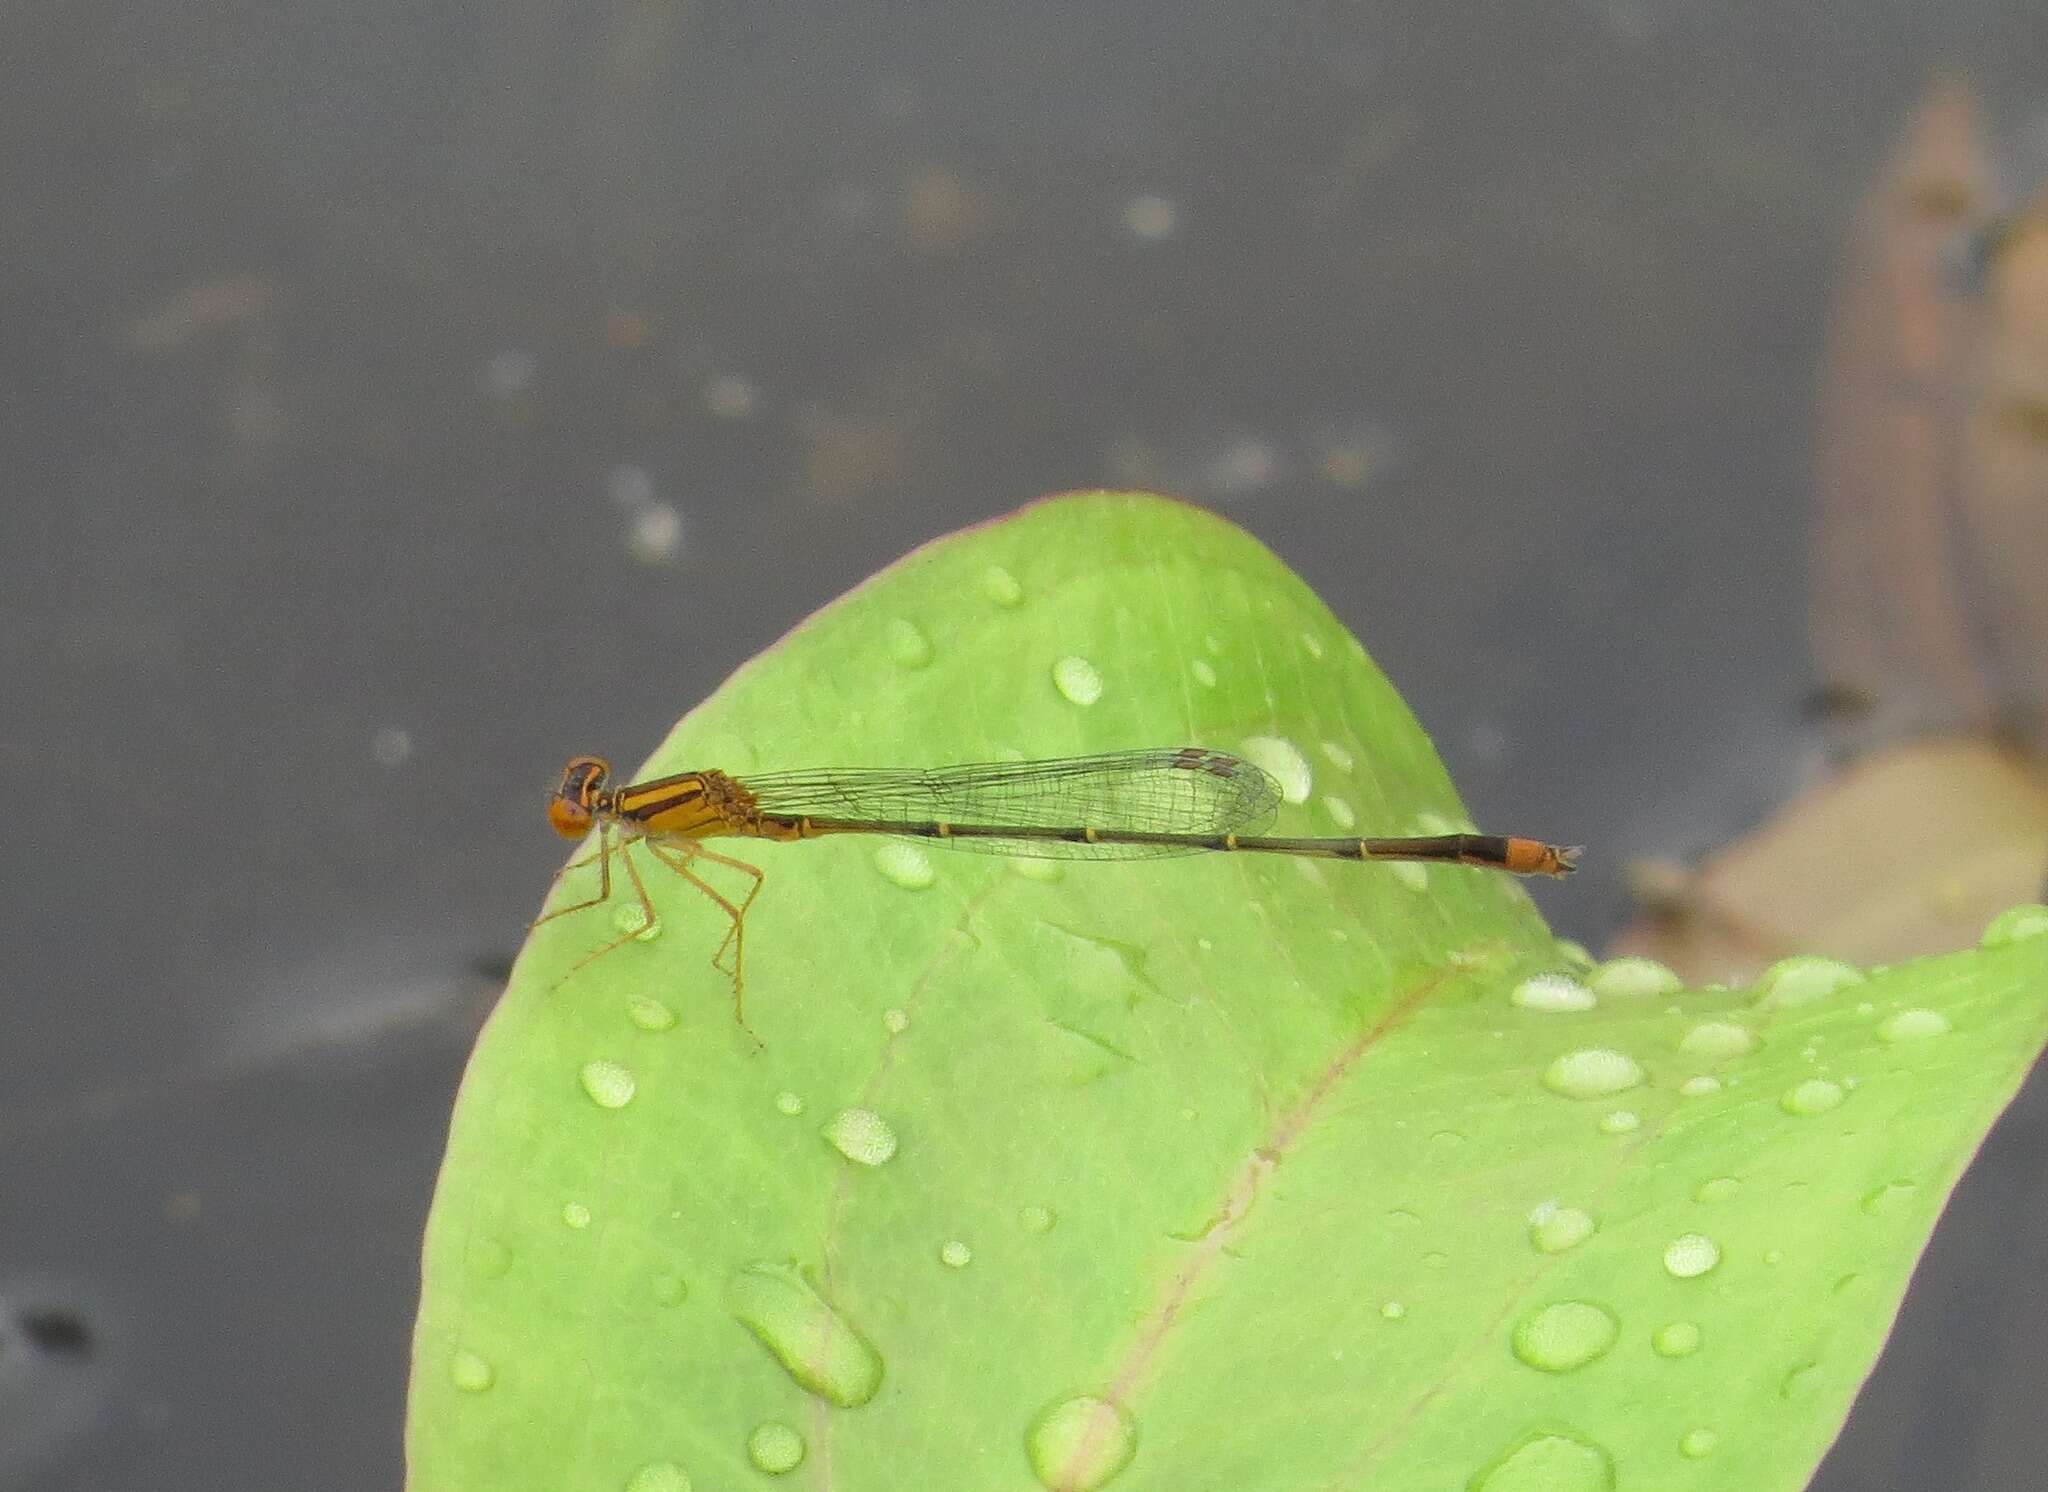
[(1567, 857)]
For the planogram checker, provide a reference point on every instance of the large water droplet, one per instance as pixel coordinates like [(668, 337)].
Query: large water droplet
[(955, 1255), (908, 646), (649, 1014), (1690, 1255), (1547, 1462), (1814, 1096), (659, 1476), (1912, 1025), (905, 865), (1001, 587), (1077, 679), (1698, 1443), (469, 1372), (1718, 1039), (1676, 1339), (1592, 1072), (861, 1135), (1639, 977), (1284, 761), (1564, 1336), (817, 1345), (610, 1085), (1552, 992), (775, 1448), (1553, 1229), (1803, 980), (1078, 1444), (2015, 925)]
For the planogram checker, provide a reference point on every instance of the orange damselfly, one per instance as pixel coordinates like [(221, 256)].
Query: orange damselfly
[(1124, 805)]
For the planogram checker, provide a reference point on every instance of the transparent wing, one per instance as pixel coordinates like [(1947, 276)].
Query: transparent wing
[(1177, 790)]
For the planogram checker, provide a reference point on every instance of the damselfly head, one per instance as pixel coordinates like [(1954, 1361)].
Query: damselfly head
[(577, 801)]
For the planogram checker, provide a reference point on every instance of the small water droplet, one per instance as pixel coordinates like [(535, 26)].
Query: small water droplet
[(1718, 1039), (905, 865), (670, 1289), (1845, 1284), (659, 1476), (775, 1448), (1340, 812), (632, 921), (1410, 873), (908, 646), (1436, 1259), (1553, 992), (1312, 644), (1690, 1255), (815, 1344), (1564, 1336), (1001, 587), (649, 1014), (789, 1103), (1701, 1086), (1592, 1072), (1913, 1025), (488, 1258), (955, 1255), (1639, 977), (1204, 674), (1889, 1197), (1078, 1444), (1774, 1257), (1676, 1339), (1036, 1219), (1283, 760), (575, 1214), (1545, 1461), (1697, 1444), (1620, 1122), (2015, 925), (1393, 1310), (1814, 1096), (1799, 1382), (1553, 1229), (1717, 1189), (897, 1021), (1338, 756), (609, 1085), (1078, 679), (861, 1135), (1803, 980), (469, 1372)]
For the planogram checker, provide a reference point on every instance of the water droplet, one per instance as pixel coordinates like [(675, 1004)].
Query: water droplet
[(1814, 1096), (955, 1255), (1410, 873), (906, 865), (1803, 980), (1622, 977), (861, 1135), (789, 1103), (1718, 1039), (1846, 1283), (469, 1372), (1284, 761), (488, 1258), (575, 1214), (1313, 644), (1912, 1025), (908, 646), (1774, 1257), (1889, 1197), (659, 1476), (1676, 1339), (1620, 1122), (897, 1021), (1547, 1462), (1036, 1219), (1696, 1444), (1700, 1087), (670, 1289), (1393, 1310), (1078, 1444), (1799, 1382), (1338, 756), (1001, 587), (1077, 679), (1436, 1259), (1565, 1336), (1592, 1072), (1553, 1229), (610, 1085), (815, 1344), (774, 1447), (1553, 992), (2014, 925), (632, 921), (1340, 812), (1204, 674), (649, 1014), (1718, 1189), (1690, 1255)]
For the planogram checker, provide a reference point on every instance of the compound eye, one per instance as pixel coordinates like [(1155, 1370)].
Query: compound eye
[(570, 820)]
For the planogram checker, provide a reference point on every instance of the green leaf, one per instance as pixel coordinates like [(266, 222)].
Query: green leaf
[(1226, 1171)]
